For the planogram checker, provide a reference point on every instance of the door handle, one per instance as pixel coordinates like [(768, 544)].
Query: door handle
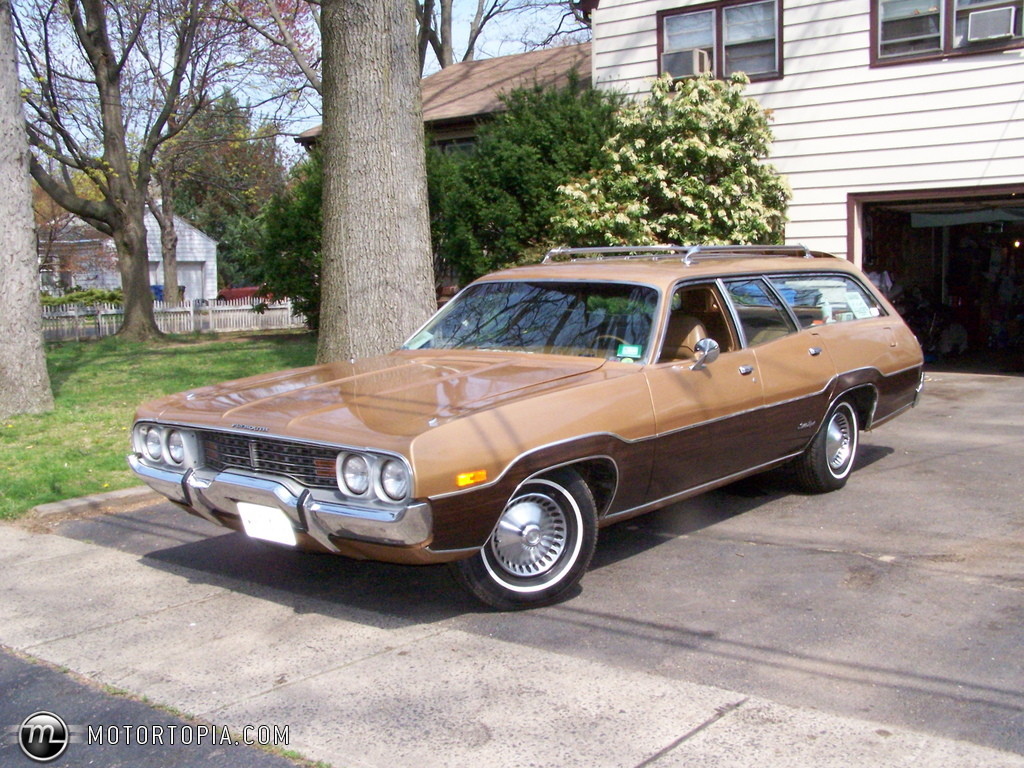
[(746, 370), (814, 351)]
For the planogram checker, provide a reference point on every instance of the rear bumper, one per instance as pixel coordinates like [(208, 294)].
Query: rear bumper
[(208, 493)]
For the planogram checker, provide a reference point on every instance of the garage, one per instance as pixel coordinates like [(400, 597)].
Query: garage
[(952, 262)]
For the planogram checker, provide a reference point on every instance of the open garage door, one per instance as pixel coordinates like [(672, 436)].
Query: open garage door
[(953, 264)]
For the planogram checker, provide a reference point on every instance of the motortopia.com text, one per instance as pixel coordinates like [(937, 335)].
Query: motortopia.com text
[(212, 735)]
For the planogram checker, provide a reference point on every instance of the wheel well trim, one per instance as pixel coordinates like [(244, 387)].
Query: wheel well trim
[(865, 401), (602, 504)]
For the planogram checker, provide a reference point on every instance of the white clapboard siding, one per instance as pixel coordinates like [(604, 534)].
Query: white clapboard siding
[(70, 322), (844, 128)]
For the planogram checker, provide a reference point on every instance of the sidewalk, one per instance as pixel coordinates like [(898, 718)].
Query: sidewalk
[(364, 688)]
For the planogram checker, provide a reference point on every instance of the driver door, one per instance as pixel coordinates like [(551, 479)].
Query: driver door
[(706, 416)]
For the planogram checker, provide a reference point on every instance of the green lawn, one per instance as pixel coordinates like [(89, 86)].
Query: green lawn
[(80, 447)]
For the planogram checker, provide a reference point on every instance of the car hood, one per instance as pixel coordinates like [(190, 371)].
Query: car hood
[(379, 402)]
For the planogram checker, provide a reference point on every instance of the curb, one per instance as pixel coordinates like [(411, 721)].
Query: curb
[(97, 502)]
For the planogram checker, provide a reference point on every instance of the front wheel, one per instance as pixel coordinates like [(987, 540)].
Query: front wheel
[(540, 548), (828, 460)]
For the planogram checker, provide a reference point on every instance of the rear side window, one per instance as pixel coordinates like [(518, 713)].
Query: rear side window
[(821, 299), (761, 316)]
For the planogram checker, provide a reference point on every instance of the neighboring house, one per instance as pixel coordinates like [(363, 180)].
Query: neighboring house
[(898, 123), (75, 254), (457, 98)]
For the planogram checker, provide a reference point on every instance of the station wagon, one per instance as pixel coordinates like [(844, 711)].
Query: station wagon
[(543, 403)]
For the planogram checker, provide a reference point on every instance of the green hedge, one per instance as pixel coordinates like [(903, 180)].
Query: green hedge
[(87, 297)]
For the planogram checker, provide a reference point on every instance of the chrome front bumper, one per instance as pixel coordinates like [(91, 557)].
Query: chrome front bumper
[(206, 492)]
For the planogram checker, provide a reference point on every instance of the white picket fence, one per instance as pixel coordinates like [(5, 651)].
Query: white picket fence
[(74, 322)]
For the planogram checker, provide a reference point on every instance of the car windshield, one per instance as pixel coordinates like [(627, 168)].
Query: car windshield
[(609, 320)]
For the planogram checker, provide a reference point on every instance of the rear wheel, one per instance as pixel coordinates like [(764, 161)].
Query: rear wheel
[(826, 463), (540, 548)]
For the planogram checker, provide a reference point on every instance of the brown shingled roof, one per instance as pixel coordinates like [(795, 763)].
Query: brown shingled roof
[(474, 88)]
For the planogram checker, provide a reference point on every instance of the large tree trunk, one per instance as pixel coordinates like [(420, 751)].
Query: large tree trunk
[(133, 262), (24, 382), (376, 281)]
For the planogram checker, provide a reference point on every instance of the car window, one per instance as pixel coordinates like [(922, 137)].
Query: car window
[(820, 299), (696, 313), (761, 315), (610, 320)]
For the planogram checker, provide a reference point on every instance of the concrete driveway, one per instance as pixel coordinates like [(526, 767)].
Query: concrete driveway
[(881, 625)]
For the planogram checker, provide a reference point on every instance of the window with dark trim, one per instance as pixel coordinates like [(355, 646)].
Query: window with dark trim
[(722, 38), (920, 29)]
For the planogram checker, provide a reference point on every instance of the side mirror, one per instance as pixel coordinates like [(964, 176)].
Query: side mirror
[(707, 351)]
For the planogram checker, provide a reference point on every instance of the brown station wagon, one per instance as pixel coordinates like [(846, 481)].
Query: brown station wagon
[(543, 403)]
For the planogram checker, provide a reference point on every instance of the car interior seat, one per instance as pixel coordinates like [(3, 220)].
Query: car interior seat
[(684, 331)]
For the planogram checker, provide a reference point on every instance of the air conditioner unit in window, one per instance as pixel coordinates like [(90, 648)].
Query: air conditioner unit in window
[(992, 24), (686, 63)]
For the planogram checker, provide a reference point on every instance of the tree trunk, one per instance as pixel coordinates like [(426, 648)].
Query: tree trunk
[(163, 212), (169, 254), (24, 382), (447, 57), (376, 281), (133, 263)]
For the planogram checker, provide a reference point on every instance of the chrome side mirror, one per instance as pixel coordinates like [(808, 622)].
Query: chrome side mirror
[(707, 351)]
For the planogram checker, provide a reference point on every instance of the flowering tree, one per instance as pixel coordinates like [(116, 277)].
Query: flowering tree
[(686, 165)]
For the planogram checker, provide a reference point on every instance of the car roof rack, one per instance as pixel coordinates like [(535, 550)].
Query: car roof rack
[(687, 253)]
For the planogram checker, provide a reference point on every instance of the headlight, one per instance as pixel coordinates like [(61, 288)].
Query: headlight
[(165, 445), (355, 474), (175, 447), (394, 479), (153, 443)]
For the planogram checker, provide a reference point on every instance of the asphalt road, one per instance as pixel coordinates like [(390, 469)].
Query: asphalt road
[(30, 687), (897, 602)]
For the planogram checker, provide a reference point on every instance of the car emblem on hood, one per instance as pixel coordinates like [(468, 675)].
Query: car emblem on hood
[(249, 427)]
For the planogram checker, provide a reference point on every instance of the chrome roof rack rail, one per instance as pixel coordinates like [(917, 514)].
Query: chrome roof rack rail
[(618, 251), (750, 251), (687, 252)]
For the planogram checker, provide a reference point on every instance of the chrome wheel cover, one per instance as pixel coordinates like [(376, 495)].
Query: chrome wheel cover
[(530, 536), (839, 441)]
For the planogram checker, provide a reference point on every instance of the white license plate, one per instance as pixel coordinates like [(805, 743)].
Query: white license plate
[(267, 523)]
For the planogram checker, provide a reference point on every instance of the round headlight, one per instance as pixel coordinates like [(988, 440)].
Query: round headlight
[(154, 444), (394, 479), (176, 447), (355, 474)]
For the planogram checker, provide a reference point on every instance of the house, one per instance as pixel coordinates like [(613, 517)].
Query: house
[(899, 125), (74, 254), (456, 99)]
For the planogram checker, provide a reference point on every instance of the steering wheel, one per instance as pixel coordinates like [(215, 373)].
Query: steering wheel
[(611, 336)]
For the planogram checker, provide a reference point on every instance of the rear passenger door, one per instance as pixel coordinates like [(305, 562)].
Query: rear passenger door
[(794, 365), (866, 344)]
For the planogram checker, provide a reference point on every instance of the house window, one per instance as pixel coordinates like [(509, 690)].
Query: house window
[(722, 39), (917, 29)]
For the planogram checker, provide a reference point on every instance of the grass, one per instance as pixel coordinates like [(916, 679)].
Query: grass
[(79, 448)]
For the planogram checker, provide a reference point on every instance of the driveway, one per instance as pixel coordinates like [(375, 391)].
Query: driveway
[(881, 625)]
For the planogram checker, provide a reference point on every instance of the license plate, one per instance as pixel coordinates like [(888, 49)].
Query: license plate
[(267, 523)]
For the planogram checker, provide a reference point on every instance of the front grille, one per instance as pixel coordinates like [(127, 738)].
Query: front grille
[(311, 465)]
